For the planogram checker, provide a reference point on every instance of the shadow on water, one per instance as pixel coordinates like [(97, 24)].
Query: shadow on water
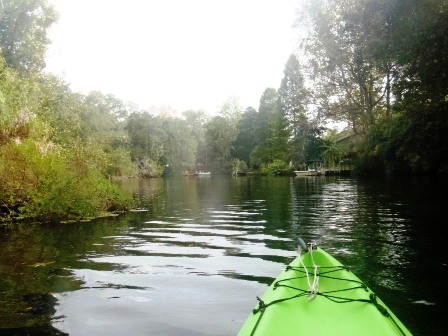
[(193, 263), (32, 331), (37, 261)]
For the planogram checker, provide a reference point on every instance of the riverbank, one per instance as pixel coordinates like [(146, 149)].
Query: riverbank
[(84, 202)]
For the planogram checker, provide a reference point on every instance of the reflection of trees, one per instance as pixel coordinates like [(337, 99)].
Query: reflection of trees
[(349, 218), (305, 196), (35, 261), (277, 196)]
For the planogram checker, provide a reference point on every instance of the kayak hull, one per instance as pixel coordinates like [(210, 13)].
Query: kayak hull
[(343, 305)]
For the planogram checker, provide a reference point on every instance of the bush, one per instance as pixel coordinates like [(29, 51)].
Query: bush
[(413, 142), (278, 167), (119, 163), (149, 168), (53, 186)]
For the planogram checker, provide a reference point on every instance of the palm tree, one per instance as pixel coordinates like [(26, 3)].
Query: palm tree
[(332, 153)]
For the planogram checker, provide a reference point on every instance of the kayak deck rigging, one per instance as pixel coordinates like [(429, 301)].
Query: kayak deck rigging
[(293, 293)]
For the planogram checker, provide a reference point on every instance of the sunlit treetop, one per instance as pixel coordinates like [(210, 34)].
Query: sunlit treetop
[(24, 26)]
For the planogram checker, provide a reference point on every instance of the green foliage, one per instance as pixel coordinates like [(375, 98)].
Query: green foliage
[(158, 142), (332, 153), (418, 44), (379, 65), (293, 98), (427, 143), (276, 167), (23, 33), (383, 149), (231, 110), (246, 139), (382, 67), (314, 143), (60, 108), (52, 165), (180, 146), (270, 132), (17, 178), (349, 80), (119, 163), (146, 135), (149, 168), (195, 122), (238, 166), (412, 142), (52, 185), (220, 135), (17, 120)]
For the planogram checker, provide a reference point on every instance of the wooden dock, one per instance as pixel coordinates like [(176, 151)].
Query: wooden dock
[(337, 172)]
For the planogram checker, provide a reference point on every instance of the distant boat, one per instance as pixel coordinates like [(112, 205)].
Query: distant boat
[(312, 168), (310, 172), (201, 173)]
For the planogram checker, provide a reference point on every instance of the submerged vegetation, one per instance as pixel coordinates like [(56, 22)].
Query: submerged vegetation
[(378, 66)]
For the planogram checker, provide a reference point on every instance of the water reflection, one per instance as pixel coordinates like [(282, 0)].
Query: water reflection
[(360, 230), (194, 245), (194, 262)]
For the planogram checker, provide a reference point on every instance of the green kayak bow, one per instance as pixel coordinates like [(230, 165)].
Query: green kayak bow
[(317, 295)]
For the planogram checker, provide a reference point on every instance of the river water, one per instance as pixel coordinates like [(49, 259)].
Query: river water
[(195, 260)]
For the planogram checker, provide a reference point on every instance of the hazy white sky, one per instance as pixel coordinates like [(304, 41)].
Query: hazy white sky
[(189, 54)]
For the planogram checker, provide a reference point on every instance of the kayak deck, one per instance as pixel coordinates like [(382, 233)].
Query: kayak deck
[(317, 295)]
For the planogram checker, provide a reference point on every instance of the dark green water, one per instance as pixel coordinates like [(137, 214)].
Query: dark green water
[(195, 261)]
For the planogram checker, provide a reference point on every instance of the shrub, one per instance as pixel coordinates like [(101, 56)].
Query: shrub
[(277, 167), (53, 186)]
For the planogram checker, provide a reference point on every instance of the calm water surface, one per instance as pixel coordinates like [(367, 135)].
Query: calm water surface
[(193, 263)]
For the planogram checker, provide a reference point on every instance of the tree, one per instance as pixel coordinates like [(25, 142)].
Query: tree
[(60, 108), (271, 132), (246, 139), (332, 153), (147, 140), (231, 109), (350, 82), (268, 111), (43, 173), (196, 121), (162, 144), (18, 119), (314, 142), (293, 96), (219, 136), (293, 101), (418, 45), (23, 33), (180, 146), (382, 66)]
